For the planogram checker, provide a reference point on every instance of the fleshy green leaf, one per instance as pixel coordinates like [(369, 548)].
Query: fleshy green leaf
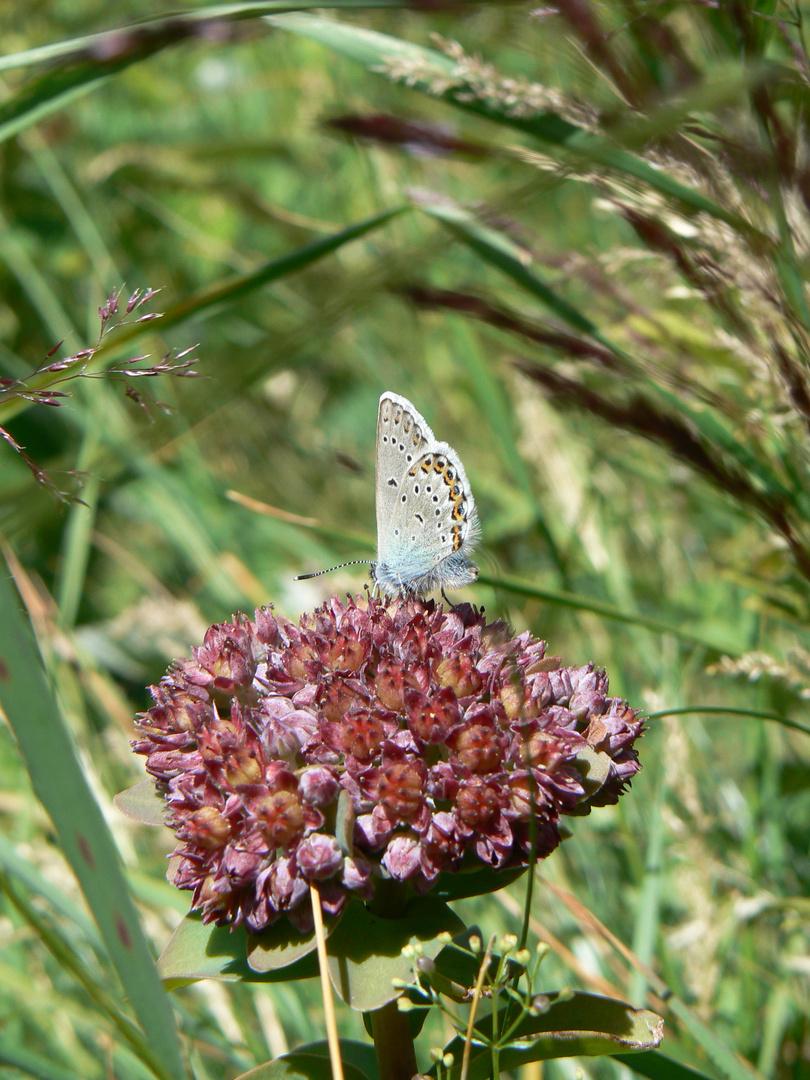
[(657, 1066), (300, 1066), (365, 952), (477, 882), (360, 1055), (200, 950), (582, 1025), (281, 945)]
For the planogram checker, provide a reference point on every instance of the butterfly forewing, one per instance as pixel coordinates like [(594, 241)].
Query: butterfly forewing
[(402, 437)]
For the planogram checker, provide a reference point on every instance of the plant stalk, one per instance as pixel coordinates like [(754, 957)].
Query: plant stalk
[(393, 1042)]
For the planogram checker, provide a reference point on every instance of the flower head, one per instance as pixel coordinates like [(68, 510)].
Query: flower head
[(375, 739)]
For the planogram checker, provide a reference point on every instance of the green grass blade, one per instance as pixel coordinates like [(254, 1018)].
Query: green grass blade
[(721, 710), (87, 62), (40, 291), (77, 536), (35, 717), (21, 870), (780, 1013), (70, 962), (26, 1061), (723, 1057), (430, 72), (288, 264), (607, 611), (499, 251), (648, 905), (353, 541), (75, 207), (213, 295)]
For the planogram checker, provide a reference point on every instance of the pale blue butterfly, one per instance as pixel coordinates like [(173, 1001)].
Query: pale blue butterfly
[(426, 518)]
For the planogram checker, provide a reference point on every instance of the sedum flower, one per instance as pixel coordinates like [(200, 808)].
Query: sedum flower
[(375, 739)]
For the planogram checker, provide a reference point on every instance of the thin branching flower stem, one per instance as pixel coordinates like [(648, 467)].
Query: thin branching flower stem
[(479, 985)]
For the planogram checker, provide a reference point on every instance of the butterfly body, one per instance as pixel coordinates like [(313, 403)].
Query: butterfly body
[(427, 522)]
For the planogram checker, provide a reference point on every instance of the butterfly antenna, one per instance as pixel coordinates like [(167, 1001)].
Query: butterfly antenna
[(317, 573)]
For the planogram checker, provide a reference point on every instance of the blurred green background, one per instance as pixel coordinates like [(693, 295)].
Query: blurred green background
[(656, 536)]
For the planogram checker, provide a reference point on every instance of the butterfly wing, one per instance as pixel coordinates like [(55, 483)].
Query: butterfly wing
[(403, 436), (426, 516)]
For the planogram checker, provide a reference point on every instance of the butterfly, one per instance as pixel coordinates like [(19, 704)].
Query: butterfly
[(426, 518), (427, 522)]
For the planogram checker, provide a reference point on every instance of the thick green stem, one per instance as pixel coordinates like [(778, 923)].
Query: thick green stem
[(396, 1057)]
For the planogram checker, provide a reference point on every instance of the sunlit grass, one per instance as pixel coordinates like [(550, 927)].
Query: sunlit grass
[(627, 397)]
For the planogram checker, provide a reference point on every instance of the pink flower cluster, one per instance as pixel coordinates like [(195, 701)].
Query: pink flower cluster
[(376, 738)]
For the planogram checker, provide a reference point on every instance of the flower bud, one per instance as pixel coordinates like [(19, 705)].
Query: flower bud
[(374, 739)]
